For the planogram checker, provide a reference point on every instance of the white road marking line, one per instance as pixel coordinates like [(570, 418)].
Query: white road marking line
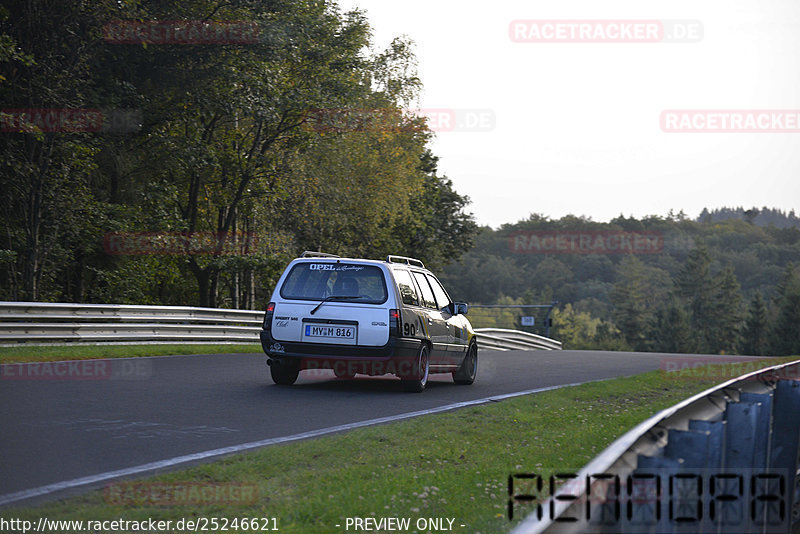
[(152, 466)]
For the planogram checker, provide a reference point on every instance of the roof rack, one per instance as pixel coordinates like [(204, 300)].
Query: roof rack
[(314, 254), (404, 259)]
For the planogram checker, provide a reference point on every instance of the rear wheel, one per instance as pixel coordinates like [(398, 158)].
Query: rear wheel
[(465, 375), (419, 378), (283, 373)]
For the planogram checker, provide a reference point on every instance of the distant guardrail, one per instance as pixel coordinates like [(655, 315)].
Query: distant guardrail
[(505, 339), (722, 461), (40, 322), (59, 323)]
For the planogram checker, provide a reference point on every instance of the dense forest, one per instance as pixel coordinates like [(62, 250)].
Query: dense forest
[(183, 152), (727, 282), (759, 217)]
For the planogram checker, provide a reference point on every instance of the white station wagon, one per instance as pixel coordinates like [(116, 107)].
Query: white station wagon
[(358, 316)]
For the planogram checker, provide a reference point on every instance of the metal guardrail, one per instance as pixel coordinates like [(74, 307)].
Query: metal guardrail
[(58, 323), (722, 461), (505, 339), (36, 322)]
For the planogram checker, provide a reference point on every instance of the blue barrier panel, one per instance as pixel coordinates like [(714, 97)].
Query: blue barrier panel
[(740, 440), (786, 441), (761, 444), (716, 433)]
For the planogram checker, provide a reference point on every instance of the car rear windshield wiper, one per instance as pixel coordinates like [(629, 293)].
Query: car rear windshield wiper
[(334, 297)]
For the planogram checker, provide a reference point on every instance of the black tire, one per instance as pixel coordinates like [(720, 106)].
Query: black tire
[(283, 373), (419, 378), (465, 375)]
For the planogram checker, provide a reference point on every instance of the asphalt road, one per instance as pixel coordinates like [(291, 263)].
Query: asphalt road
[(59, 424)]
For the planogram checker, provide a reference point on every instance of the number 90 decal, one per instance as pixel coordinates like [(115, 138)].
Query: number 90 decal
[(409, 329)]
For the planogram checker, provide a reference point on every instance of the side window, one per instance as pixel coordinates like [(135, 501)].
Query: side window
[(406, 286), (428, 300), (442, 299)]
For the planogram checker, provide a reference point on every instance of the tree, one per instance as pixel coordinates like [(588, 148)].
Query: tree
[(354, 187), (725, 319), (579, 330), (226, 144), (673, 331), (713, 302), (436, 228), (555, 274), (785, 334), (635, 297), (695, 286), (754, 335), (45, 197), (575, 330), (481, 278), (231, 120), (641, 286)]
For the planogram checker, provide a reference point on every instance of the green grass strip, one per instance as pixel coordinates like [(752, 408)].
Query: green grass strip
[(451, 465), (87, 352)]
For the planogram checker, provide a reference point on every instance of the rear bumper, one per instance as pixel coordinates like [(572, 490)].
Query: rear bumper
[(396, 357)]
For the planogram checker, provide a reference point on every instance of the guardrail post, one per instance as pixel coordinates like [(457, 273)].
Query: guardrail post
[(785, 444), (742, 420), (647, 493), (716, 435), (763, 422), (739, 452)]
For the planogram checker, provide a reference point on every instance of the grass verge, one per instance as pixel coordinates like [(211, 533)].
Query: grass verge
[(452, 465), (88, 352)]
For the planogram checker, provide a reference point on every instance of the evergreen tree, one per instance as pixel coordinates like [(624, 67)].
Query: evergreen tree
[(785, 332), (672, 329), (632, 314), (725, 319), (754, 334), (695, 286)]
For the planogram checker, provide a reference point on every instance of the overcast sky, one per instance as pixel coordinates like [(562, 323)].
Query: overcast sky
[(575, 127)]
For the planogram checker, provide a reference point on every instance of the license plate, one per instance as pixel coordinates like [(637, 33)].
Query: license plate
[(331, 333)]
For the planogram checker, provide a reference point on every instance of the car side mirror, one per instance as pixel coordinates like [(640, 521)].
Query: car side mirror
[(461, 308)]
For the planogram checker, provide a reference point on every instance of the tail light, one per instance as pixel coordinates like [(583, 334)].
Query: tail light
[(394, 322), (268, 316)]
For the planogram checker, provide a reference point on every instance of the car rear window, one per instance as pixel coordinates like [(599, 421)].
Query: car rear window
[(316, 281)]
